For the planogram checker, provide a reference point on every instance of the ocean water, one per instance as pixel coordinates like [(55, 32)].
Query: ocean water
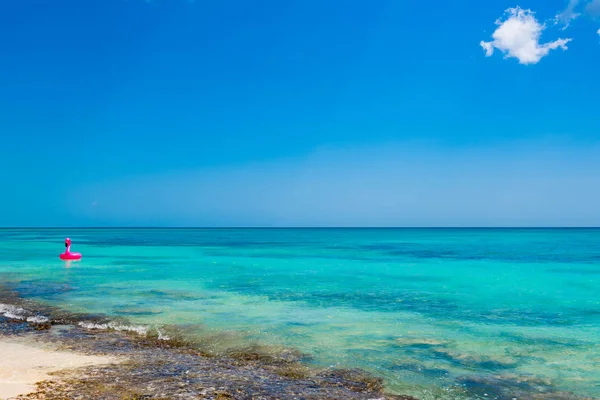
[(438, 313)]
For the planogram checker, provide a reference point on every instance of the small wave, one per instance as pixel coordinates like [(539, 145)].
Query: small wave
[(162, 336), (20, 314), (92, 326), (38, 319), (12, 312), (140, 330)]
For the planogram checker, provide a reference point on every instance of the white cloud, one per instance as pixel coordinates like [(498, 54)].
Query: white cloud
[(568, 15), (519, 37), (488, 47), (598, 31)]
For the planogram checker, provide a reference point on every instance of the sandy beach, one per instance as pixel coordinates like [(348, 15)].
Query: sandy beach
[(26, 361)]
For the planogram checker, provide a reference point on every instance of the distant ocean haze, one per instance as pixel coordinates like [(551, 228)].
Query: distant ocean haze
[(527, 184)]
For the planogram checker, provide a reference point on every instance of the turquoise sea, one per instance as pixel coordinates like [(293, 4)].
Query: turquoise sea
[(438, 313)]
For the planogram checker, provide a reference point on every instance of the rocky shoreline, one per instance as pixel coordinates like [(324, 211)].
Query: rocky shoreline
[(155, 368)]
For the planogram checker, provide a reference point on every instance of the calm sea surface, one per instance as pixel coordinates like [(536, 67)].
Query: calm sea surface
[(434, 312)]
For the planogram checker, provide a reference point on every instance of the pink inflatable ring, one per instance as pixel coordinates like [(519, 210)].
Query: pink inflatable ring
[(67, 255)]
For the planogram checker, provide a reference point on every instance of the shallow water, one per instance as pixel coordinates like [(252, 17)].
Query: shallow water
[(430, 310)]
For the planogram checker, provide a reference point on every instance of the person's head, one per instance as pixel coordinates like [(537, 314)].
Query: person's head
[(67, 242)]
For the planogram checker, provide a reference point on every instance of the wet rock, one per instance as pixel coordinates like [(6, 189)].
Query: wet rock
[(41, 326)]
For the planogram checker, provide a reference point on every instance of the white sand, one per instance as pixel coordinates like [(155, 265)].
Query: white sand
[(24, 362)]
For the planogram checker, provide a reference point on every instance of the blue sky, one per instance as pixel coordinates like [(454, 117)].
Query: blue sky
[(276, 113)]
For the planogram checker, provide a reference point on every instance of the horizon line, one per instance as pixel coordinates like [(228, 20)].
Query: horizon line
[(295, 227)]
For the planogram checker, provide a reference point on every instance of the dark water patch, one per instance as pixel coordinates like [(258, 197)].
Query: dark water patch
[(381, 246), (429, 303), (164, 295), (246, 286), (432, 254), (543, 254), (257, 244), (35, 238), (420, 342), (301, 323), (167, 295), (173, 295), (550, 342), (26, 236), (375, 301), (433, 305), (432, 349), (418, 367), (366, 353), (291, 256), (510, 387), (9, 257), (475, 362), (155, 264), (526, 317), (589, 312), (186, 241), (46, 290), (303, 256), (404, 278), (138, 257)]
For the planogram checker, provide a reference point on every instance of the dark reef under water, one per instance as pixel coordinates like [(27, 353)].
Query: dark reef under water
[(155, 368), (168, 364)]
